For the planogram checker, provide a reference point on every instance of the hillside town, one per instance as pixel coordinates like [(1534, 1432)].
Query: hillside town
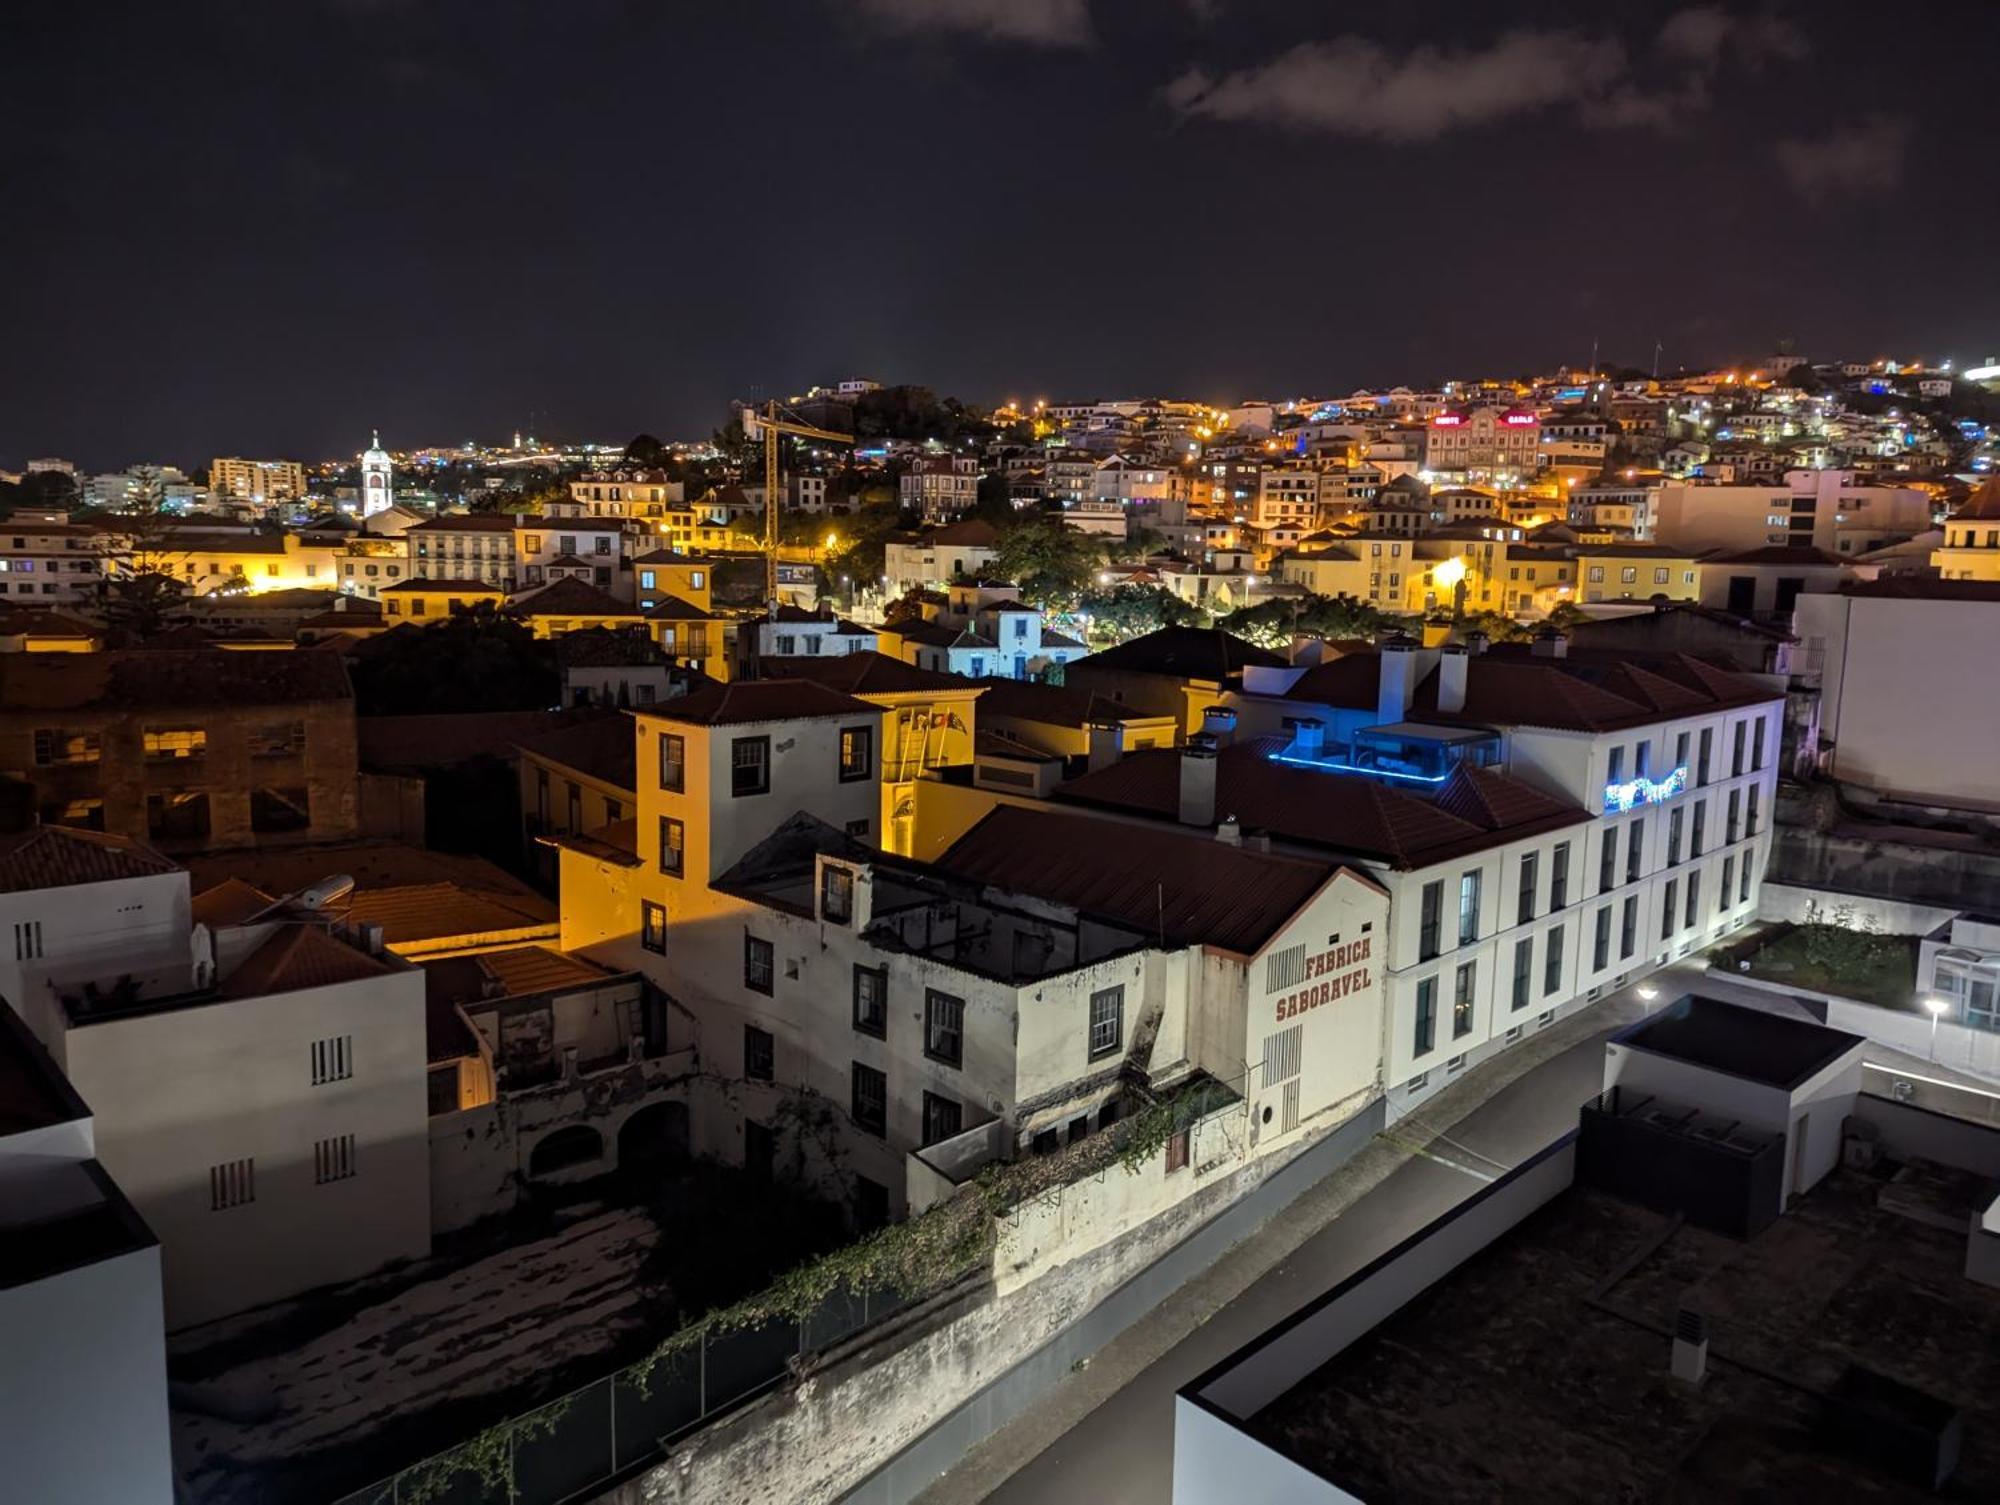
[(549, 968)]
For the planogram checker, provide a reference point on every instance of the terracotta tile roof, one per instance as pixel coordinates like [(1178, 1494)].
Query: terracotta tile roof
[(670, 556), (744, 701), (541, 522), (1984, 503), (372, 864), (617, 843), (603, 749), (941, 635), (230, 902), (1054, 639), (1182, 653), (866, 674), (432, 911), (468, 522), (297, 957), (441, 587), (21, 621), (1346, 813), (1510, 686), (970, 534), (61, 856), (571, 597), (173, 678), (1771, 554), (787, 615), (517, 972), (608, 648), (1187, 889)]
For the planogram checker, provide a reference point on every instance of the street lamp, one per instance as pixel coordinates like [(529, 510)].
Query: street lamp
[(1937, 1007), (1647, 992)]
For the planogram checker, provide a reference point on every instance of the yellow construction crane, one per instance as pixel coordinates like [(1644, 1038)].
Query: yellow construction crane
[(768, 426)]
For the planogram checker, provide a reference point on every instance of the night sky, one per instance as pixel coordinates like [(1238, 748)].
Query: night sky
[(264, 228)]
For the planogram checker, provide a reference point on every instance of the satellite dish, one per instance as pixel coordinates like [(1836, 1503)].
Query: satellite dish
[(325, 893)]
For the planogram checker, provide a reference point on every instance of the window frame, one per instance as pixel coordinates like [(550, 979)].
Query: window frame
[(678, 743), (955, 1057), (737, 788), (1116, 1046), (878, 1026), (753, 946), (652, 924), (853, 773)]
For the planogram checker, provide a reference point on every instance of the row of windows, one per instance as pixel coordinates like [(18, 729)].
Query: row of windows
[(1748, 735), (1466, 975), (57, 746), (233, 1183), (750, 761)]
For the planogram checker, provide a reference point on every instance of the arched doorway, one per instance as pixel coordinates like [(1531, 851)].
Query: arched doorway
[(654, 1137), (576, 1145)]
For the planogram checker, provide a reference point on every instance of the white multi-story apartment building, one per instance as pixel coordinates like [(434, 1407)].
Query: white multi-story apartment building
[(931, 560), (466, 546), (1287, 497), (1833, 510), (1012, 996), (259, 482), (46, 560), (1547, 827), (1121, 480), (596, 550), (257, 1075), (634, 493)]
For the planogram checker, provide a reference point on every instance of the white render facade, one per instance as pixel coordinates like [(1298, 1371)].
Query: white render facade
[(1701, 855)]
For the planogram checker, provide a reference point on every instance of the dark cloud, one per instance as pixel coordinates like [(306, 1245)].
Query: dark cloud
[(1038, 23), (1864, 158)]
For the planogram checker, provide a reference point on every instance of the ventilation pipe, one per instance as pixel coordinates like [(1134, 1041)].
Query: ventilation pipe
[(1451, 679), (1549, 643), (1198, 781), (1107, 743), (1218, 722), (1399, 680), (1690, 1359)]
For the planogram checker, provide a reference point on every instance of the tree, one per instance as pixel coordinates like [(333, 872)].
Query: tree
[(476, 660), (1139, 543), (1128, 611), (646, 451), (1498, 627), (139, 606), (1274, 623), (1052, 564), (996, 502)]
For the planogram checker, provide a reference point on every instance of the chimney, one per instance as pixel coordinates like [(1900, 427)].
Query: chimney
[(1549, 643), (1690, 1358), (1477, 642), (1309, 739), (1399, 679), (1107, 743), (1219, 722), (1451, 678), (1198, 781), (1229, 832)]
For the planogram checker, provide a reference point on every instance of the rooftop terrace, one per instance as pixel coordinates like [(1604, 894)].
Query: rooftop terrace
[(1538, 1369)]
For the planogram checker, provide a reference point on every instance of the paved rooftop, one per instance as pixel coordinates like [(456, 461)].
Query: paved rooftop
[(1538, 1369)]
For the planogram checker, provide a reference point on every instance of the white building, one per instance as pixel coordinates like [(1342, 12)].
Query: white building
[(1007, 999), (257, 1079), (1904, 687), (1832, 510), (1502, 445), (933, 559), (46, 560), (378, 491), (83, 1370), (1544, 832)]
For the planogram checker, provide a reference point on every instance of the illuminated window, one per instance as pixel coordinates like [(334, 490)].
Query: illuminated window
[(55, 746), (172, 744)]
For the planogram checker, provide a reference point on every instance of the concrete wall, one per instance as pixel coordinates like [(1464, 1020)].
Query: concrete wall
[(1882, 675), (1252, 1380), (879, 1421), (1217, 1461), (83, 1386), (1791, 902), (1971, 1050)]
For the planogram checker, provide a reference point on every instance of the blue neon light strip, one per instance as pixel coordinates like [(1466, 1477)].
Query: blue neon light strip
[(1644, 791), (1330, 765)]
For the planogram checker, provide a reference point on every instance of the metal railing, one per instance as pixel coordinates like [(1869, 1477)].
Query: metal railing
[(1954, 1099), (581, 1443)]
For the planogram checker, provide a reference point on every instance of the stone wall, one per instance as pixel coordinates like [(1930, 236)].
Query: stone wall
[(834, 1431)]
